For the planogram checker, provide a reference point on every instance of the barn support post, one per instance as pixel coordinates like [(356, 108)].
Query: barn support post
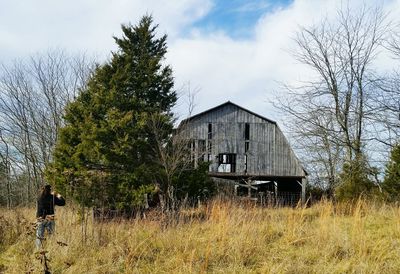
[(302, 183), (303, 190), (248, 182)]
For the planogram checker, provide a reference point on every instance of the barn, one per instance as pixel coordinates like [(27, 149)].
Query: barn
[(246, 151)]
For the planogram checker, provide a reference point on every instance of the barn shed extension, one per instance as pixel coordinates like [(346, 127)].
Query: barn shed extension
[(247, 150)]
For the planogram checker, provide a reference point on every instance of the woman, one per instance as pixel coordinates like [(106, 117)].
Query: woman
[(45, 212)]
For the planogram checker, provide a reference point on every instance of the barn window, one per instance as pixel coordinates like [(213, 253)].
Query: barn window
[(227, 163), (209, 131), (193, 146), (246, 137), (202, 150), (247, 131)]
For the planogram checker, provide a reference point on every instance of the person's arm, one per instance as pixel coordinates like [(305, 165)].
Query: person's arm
[(58, 199)]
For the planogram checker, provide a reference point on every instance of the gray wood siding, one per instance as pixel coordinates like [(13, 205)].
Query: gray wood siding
[(269, 151)]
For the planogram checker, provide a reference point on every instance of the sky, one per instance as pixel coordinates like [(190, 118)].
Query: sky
[(222, 50)]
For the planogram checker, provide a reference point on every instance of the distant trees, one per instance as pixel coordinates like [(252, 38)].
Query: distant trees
[(104, 134), (33, 94)]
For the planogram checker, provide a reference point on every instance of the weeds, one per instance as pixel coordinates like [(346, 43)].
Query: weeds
[(221, 237)]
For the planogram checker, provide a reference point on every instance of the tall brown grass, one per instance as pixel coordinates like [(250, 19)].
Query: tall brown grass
[(222, 237)]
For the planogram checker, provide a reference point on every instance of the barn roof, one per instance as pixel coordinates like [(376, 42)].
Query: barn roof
[(226, 104)]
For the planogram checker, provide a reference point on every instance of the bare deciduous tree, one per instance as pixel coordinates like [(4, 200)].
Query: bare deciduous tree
[(33, 94), (331, 115), (172, 149), (389, 114)]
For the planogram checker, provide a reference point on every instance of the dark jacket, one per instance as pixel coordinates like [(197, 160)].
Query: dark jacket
[(45, 205)]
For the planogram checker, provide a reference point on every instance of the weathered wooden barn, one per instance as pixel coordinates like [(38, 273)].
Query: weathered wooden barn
[(247, 150)]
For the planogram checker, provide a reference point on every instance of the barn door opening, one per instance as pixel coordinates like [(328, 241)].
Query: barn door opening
[(227, 162)]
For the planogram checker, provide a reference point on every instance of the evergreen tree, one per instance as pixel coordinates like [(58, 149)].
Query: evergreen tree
[(391, 183), (194, 184), (104, 152), (355, 180)]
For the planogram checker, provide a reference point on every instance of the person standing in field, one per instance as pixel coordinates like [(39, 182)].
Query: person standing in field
[(45, 212)]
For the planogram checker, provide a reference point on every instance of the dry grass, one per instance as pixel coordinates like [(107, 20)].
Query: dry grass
[(220, 238)]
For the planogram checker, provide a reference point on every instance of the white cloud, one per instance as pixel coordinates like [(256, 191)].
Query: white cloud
[(245, 71), (251, 6), (248, 72), (87, 25)]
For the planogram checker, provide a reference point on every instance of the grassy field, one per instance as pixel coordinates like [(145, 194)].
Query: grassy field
[(222, 237)]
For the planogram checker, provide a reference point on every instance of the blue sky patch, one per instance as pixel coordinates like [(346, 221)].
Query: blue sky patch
[(237, 18)]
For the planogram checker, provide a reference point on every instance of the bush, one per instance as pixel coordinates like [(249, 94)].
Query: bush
[(316, 193), (195, 184), (355, 180)]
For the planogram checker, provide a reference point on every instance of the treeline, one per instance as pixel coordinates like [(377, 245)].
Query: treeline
[(346, 119), (33, 95), (101, 133)]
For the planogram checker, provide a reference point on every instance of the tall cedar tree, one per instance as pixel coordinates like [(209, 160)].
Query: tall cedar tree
[(104, 153), (391, 183)]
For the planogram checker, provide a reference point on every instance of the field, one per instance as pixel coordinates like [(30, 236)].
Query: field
[(222, 237)]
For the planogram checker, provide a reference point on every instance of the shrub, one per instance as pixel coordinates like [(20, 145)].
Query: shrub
[(194, 184), (355, 180)]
